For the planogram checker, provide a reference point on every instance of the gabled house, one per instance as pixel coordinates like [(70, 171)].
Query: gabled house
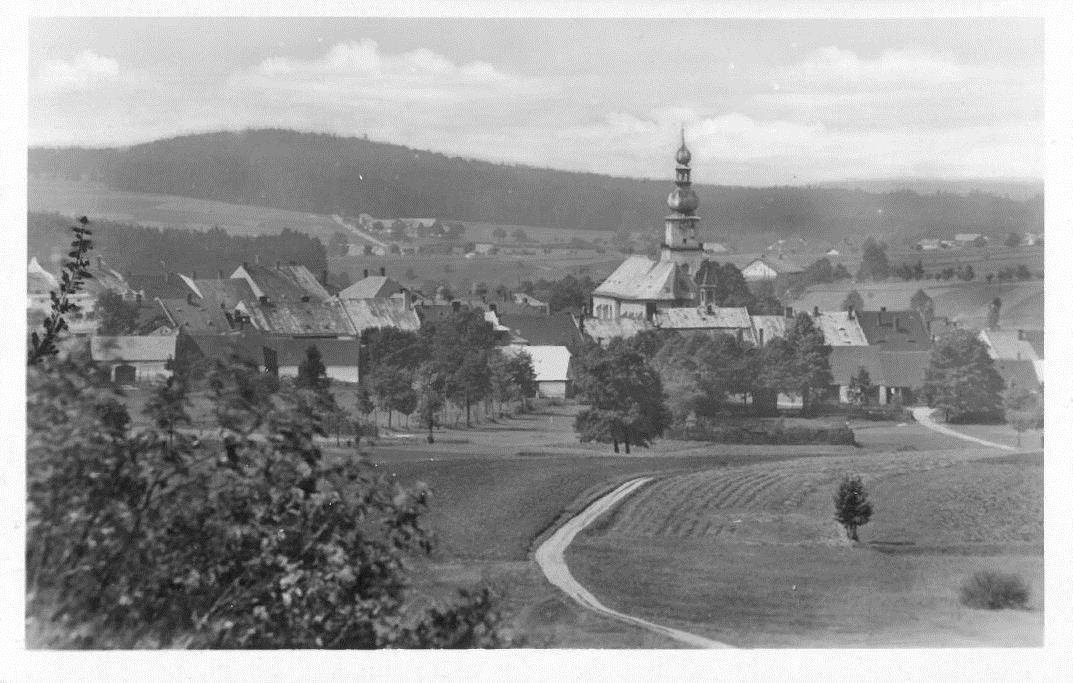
[(551, 365), (375, 287), (640, 286), (132, 359), (369, 313), (282, 282), (895, 330), (557, 329), (765, 269), (892, 373), (281, 355)]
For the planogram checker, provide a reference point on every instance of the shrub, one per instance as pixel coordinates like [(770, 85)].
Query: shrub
[(764, 433), (995, 590)]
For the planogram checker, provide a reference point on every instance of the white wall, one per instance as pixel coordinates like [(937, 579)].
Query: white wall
[(338, 373), (551, 389)]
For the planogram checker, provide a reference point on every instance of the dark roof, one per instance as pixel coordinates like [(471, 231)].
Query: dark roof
[(891, 369), (1018, 373), (285, 283), (154, 286), (305, 318), (229, 292), (289, 351), (557, 329), (1035, 338), (196, 316), (372, 287), (895, 330)]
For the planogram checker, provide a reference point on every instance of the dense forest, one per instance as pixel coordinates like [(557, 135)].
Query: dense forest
[(138, 250), (324, 173)]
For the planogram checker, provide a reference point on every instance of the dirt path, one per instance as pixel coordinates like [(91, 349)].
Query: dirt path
[(550, 557), (923, 416)]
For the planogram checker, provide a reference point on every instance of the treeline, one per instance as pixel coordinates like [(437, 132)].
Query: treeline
[(325, 173), (141, 250)]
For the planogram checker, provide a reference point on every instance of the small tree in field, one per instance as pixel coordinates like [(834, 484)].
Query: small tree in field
[(853, 300), (852, 509)]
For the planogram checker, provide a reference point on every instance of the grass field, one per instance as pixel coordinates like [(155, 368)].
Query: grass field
[(752, 556)]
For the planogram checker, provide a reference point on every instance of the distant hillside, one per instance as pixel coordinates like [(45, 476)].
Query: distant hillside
[(325, 174), (1012, 188)]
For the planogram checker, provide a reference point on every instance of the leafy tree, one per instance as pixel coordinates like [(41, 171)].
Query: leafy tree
[(860, 387), (842, 273), (339, 244), (764, 301), (117, 315), (364, 401), (853, 300), (392, 387), (700, 371), (811, 369), (874, 263), (312, 374), (1024, 410), (967, 273), (852, 509), (133, 544), (75, 272), (924, 305), (519, 235), (624, 398), (961, 379), (994, 309), (499, 233)]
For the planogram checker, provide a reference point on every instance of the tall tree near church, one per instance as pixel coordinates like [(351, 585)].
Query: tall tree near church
[(961, 380), (623, 396)]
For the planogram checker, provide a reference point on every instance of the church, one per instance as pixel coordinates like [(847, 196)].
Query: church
[(642, 289)]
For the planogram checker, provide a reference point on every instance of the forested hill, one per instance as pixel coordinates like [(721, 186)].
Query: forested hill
[(323, 173)]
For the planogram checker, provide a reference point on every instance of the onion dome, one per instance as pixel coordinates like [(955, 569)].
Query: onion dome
[(683, 156), (683, 200)]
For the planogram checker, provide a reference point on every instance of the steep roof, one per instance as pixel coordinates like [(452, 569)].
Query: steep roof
[(149, 348), (771, 325), (369, 313), (282, 282), (694, 318), (639, 278), (1019, 373), (839, 329), (891, 369), (195, 316), (557, 329), (1008, 345), (372, 287), (306, 318), (550, 363), (895, 330)]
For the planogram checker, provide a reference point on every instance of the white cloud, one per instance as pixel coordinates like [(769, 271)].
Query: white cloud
[(834, 66), (85, 71)]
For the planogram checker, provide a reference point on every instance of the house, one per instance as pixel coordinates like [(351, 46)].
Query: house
[(603, 330), (282, 355), (715, 248), (365, 314), (557, 329), (770, 269), (304, 318), (283, 283), (375, 287), (711, 319), (1021, 374), (1032, 239), (484, 248), (523, 299), (132, 359), (970, 239), (832, 252), (211, 306), (768, 327), (641, 286), (1012, 344), (893, 374), (895, 330), (928, 245), (551, 365), (840, 328)]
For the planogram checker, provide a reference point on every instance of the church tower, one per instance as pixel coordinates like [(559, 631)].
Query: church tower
[(680, 243)]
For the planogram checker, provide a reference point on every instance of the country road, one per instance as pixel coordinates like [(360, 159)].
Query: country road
[(923, 417), (550, 557)]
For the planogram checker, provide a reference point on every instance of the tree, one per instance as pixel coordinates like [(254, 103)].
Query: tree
[(860, 387), (519, 235), (874, 264), (1012, 240), (624, 398), (117, 316), (924, 305), (853, 300), (499, 233), (1024, 410), (994, 309), (339, 244), (43, 343), (392, 387), (811, 369), (961, 379), (312, 374), (852, 509), (842, 273), (134, 545)]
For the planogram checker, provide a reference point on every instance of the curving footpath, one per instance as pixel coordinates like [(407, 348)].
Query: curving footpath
[(923, 416), (550, 557)]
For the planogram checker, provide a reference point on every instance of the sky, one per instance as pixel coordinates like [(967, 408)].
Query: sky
[(763, 101)]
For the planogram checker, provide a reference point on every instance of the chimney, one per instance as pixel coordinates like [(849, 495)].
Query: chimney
[(789, 312), (709, 309), (219, 275), (190, 298), (851, 313), (383, 271), (760, 334), (815, 311), (1020, 335), (324, 277), (365, 273), (245, 265), (492, 308), (456, 306), (882, 309)]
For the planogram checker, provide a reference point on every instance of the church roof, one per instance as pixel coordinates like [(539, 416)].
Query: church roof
[(713, 318), (642, 279)]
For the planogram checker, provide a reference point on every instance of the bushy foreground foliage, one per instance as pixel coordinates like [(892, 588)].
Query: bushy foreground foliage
[(994, 590), (145, 537), (852, 509)]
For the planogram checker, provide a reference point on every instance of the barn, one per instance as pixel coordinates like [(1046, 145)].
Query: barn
[(132, 359), (551, 365)]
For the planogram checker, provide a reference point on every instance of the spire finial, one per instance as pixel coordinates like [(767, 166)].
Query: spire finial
[(683, 135), (683, 156)]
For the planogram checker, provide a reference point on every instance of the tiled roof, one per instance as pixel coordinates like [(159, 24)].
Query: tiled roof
[(1019, 373), (289, 351), (905, 368), (891, 369), (372, 287), (282, 283), (839, 329), (693, 318), (550, 363), (369, 313), (1007, 345), (639, 278), (305, 318), (557, 329), (195, 316), (895, 330), (149, 348)]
